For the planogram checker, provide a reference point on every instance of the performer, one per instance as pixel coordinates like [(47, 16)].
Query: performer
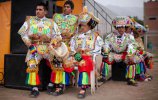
[(59, 63), (146, 62), (85, 45), (120, 52), (67, 24), (37, 33)]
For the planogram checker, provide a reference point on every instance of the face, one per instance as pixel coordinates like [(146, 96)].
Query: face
[(40, 12), (121, 30), (84, 28), (128, 30), (67, 9), (136, 35)]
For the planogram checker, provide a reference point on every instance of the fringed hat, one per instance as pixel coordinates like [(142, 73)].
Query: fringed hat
[(88, 18), (119, 21), (130, 22), (140, 29)]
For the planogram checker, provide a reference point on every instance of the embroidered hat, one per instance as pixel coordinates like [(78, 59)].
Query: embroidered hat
[(88, 18)]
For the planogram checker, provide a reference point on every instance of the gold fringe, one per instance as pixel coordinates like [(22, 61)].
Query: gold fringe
[(56, 69), (30, 70)]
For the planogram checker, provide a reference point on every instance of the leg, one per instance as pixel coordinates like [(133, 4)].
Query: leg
[(59, 79), (130, 75), (104, 71), (83, 83), (33, 77)]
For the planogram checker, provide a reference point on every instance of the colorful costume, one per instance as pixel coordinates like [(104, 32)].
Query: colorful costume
[(146, 62), (37, 34), (67, 25), (62, 70), (86, 46), (119, 52)]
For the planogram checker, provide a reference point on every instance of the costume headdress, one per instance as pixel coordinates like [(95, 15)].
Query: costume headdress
[(88, 18), (119, 21)]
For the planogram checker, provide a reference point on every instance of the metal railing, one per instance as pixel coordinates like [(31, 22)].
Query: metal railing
[(105, 25)]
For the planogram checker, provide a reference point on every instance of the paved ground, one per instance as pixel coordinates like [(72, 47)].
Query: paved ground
[(109, 91)]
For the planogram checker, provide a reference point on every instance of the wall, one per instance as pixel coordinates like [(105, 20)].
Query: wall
[(5, 11), (77, 3)]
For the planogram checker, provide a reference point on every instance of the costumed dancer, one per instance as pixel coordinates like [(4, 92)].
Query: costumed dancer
[(85, 45), (120, 52), (59, 62), (37, 33), (67, 24), (146, 62)]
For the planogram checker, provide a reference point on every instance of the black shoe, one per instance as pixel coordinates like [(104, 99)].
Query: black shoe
[(50, 89), (82, 95), (132, 82), (34, 93), (102, 80), (57, 93)]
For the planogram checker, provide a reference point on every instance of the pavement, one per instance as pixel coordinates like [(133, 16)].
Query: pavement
[(111, 90)]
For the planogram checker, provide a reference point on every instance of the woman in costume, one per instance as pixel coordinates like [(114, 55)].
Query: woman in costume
[(85, 45)]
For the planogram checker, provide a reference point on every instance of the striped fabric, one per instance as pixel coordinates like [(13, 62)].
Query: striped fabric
[(60, 77), (33, 79), (83, 79), (130, 71)]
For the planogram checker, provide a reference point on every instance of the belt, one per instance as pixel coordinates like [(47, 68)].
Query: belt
[(40, 42)]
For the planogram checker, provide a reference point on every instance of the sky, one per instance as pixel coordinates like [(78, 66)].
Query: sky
[(124, 3), (125, 7)]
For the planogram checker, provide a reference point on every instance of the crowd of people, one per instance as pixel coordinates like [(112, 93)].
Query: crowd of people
[(67, 41)]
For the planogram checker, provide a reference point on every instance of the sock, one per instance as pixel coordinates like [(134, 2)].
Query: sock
[(35, 88)]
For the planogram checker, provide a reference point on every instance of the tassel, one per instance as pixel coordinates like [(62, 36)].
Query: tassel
[(130, 71), (107, 69), (67, 78), (138, 69)]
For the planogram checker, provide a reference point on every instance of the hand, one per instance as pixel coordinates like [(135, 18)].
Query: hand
[(34, 36), (82, 63), (27, 42), (50, 47), (130, 58), (44, 38)]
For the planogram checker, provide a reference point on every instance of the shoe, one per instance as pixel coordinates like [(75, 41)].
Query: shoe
[(102, 80), (50, 89), (34, 94), (58, 91), (149, 77), (82, 95), (132, 82)]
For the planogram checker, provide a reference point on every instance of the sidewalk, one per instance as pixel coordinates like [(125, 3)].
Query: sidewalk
[(109, 91)]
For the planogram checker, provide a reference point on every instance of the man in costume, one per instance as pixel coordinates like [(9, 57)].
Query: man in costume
[(119, 52), (146, 62), (136, 30), (37, 33), (67, 24), (85, 45)]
